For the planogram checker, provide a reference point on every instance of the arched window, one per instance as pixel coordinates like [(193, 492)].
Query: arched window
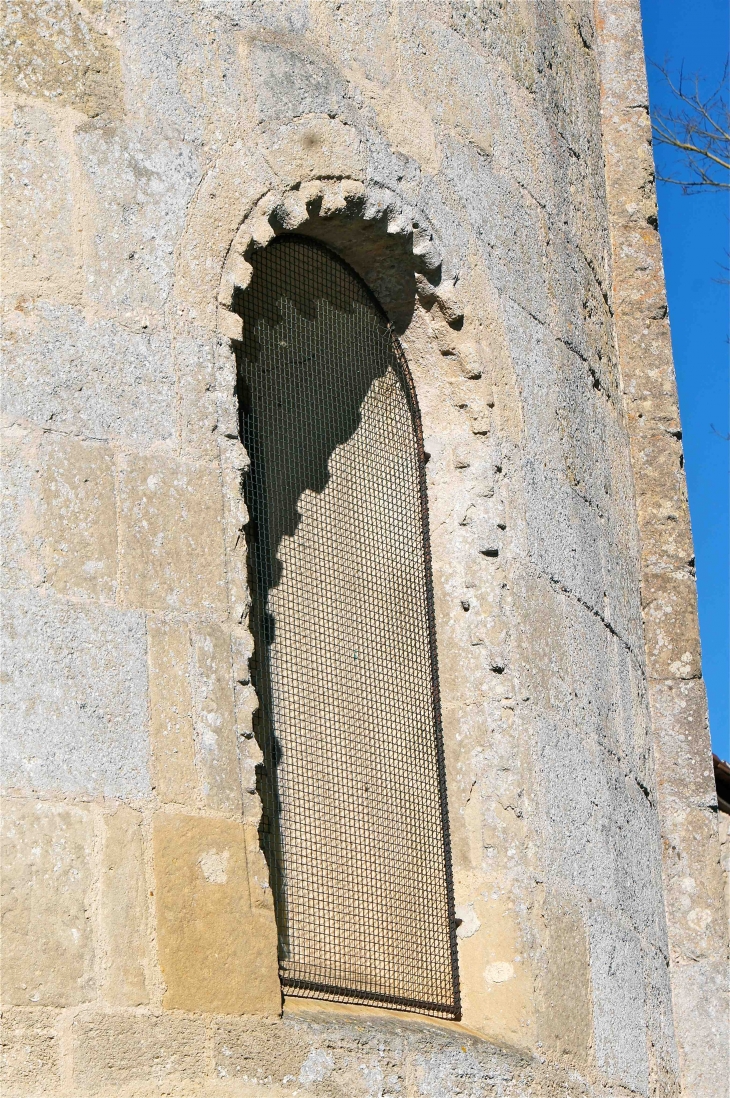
[(355, 826)]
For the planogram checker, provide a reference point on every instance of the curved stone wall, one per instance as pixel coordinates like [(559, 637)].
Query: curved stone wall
[(455, 154)]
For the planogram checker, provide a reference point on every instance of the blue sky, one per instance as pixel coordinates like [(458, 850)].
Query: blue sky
[(694, 231)]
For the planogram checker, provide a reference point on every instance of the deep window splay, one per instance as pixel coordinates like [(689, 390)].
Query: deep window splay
[(354, 827)]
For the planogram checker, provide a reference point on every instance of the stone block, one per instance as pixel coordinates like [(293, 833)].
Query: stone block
[(216, 953), (669, 600), (315, 146), (41, 250), (137, 1051), (216, 748), (123, 910), (20, 526), (84, 376), (682, 749), (171, 534), (143, 181), (693, 885), (78, 67), (700, 999), (172, 745), (565, 1014), (619, 1019), (30, 1052), (48, 953), (75, 697), (79, 517)]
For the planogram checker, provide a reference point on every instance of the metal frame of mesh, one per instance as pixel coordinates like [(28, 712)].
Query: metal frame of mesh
[(354, 825)]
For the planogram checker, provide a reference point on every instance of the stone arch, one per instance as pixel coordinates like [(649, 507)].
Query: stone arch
[(391, 245)]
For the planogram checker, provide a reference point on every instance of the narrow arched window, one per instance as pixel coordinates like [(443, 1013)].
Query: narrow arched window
[(355, 826)]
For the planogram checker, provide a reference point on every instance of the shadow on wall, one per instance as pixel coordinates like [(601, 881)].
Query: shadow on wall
[(344, 664)]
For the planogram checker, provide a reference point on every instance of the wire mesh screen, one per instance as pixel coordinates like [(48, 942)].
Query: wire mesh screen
[(354, 827)]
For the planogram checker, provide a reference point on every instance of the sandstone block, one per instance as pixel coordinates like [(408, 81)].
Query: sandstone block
[(79, 517), (216, 953), (30, 1052), (46, 928), (20, 527), (172, 747), (143, 182), (123, 908), (84, 376), (669, 600), (682, 748), (41, 248), (315, 146), (75, 697), (693, 885), (564, 984), (171, 535), (78, 67), (617, 976), (699, 996), (215, 723), (151, 1050)]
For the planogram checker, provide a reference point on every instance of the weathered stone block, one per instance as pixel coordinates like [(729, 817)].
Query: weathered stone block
[(315, 146), (123, 909), (619, 1020), (20, 526), (48, 953), (216, 953), (121, 1050), (683, 751), (79, 517), (30, 1052), (565, 1014), (693, 885), (172, 746), (41, 250), (216, 748), (75, 697), (171, 534), (671, 627), (90, 377), (700, 999), (78, 67)]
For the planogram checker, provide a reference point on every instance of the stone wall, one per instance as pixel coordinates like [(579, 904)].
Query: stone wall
[(454, 154)]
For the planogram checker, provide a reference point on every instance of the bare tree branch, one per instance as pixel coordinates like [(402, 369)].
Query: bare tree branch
[(697, 128)]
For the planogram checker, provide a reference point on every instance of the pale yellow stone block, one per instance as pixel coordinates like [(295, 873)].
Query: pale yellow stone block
[(216, 953), (564, 1000), (20, 524), (315, 146), (137, 1054), (496, 982), (79, 517), (124, 910), (172, 745), (171, 535), (41, 241), (30, 1052), (47, 852), (215, 722)]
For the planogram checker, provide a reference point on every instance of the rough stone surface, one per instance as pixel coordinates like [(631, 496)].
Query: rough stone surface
[(75, 697), (487, 169), (30, 1052), (123, 910), (216, 953), (171, 541), (48, 948)]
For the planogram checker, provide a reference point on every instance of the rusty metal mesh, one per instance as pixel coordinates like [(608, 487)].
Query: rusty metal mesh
[(354, 828)]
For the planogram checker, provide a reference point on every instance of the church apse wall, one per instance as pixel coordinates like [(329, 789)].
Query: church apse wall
[(220, 774)]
